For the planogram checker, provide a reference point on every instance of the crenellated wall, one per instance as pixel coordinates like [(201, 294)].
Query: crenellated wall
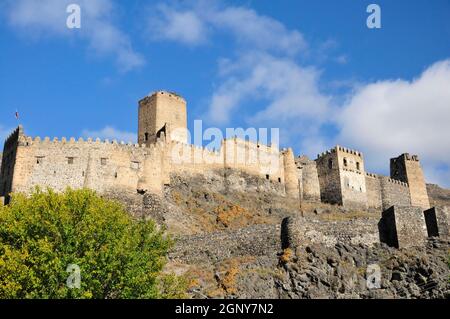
[(106, 165), (394, 192)]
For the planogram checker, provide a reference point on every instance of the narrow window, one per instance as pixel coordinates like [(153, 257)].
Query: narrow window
[(345, 162), (146, 137), (330, 163), (357, 166), (70, 160), (135, 165), (115, 175), (279, 179), (103, 161), (267, 176)]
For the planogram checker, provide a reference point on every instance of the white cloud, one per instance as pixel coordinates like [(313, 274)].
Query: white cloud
[(193, 23), (48, 18), (183, 26), (289, 92), (110, 133), (390, 117)]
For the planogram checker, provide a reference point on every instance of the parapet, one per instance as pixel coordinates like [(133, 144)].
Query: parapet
[(28, 141), (394, 181), (406, 157), (163, 93), (339, 148), (349, 151)]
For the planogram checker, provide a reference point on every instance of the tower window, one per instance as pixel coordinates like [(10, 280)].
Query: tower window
[(70, 160), (345, 162), (146, 137), (330, 163), (39, 160), (135, 165), (267, 176), (357, 166), (279, 179)]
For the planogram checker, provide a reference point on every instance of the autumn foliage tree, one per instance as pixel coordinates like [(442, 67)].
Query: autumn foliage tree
[(78, 245)]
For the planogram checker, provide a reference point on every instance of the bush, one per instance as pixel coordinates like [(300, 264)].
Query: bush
[(118, 257)]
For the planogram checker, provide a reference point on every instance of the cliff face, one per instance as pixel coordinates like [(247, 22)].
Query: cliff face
[(229, 243)]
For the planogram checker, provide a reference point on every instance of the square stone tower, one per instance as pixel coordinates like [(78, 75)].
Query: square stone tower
[(162, 114), (407, 169), (342, 177)]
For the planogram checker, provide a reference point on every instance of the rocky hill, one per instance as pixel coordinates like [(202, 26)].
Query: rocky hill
[(229, 243)]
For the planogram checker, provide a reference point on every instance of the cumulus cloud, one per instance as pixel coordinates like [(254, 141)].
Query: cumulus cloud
[(183, 26), (193, 23), (48, 18), (389, 117), (289, 91), (111, 133)]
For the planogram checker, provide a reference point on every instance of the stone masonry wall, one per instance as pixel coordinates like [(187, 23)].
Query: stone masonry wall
[(373, 187), (403, 227), (393, 192)]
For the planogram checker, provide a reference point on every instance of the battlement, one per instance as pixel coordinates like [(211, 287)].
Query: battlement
[(372, 175), (173, 95), (395, 181), (348, 151), (339, 148), (407, 157), (28, 141)]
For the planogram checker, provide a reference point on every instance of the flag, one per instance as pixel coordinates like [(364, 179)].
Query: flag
[(17, 115)]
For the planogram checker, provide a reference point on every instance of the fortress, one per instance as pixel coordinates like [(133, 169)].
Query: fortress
[(336, 176)]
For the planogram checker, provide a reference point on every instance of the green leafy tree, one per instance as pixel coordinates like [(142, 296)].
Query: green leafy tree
[(78, 245)]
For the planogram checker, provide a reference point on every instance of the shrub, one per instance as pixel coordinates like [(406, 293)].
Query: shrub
[(118, 257)]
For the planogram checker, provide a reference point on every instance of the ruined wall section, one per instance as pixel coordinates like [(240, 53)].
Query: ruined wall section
[(308, 179)]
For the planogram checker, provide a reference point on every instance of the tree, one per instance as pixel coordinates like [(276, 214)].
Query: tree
[(51, 243)]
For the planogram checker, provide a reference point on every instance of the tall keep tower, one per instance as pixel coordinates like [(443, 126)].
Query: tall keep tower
[(162, 113), (407, 169)]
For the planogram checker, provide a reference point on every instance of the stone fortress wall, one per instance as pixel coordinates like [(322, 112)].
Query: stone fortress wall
[(337, 176)]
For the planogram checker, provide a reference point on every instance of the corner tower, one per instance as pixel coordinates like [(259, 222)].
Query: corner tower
[(406, 168), (162, 114)]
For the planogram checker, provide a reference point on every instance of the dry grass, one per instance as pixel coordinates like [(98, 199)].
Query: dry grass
[(286, 256), (340, 216)]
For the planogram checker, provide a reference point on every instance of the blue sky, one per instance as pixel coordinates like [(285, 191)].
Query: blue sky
[(311, 68)]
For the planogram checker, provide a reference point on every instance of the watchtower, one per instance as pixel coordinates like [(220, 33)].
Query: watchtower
[(162, 114), (406, 168), (342, 177)]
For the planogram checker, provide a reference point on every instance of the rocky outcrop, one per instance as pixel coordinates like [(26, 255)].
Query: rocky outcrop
[(342, 272)]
